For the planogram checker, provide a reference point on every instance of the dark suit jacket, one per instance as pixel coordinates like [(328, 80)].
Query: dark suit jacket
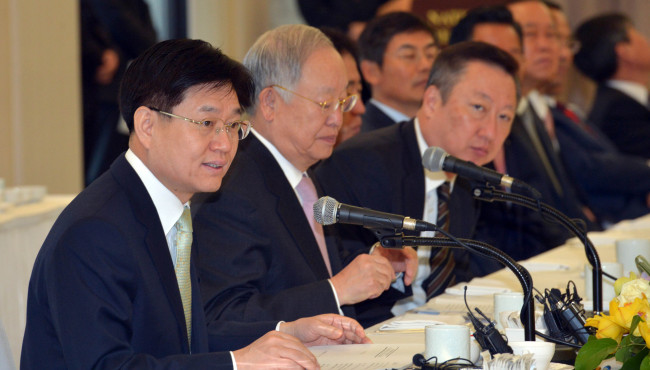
[(382, 170), (519, 232), (616, 184), (374, 118), (258, 257), (103, 292), (623, 120)]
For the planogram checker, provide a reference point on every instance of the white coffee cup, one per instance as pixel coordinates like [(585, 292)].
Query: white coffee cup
[(446, 342), (613, 268), (628, 249), (542, 352), (504, 303)]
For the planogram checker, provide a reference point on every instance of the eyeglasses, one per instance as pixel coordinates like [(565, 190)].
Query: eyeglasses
[(346, 104), (206, 127)]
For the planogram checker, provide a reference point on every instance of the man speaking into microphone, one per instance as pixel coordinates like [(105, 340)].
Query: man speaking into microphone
[(467, 110)]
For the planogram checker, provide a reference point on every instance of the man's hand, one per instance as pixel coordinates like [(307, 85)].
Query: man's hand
[(275, 350), (364, 278), (327, 329), (106, 71), (403, 260)]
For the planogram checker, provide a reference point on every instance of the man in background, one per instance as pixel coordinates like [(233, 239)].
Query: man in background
[(519, 232), (616, 184), (468, 106), (396, 52), (348, 50), (617, 57)]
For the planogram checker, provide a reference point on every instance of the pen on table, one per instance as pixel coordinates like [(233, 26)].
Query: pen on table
[(426, 311)]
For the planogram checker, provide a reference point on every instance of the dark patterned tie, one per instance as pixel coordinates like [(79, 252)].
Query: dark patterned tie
[(441, 260)]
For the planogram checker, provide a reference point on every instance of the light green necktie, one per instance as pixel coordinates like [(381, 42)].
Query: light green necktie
[(183, 255)]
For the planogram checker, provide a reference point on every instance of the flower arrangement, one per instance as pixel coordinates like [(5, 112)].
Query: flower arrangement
[(624, 333)]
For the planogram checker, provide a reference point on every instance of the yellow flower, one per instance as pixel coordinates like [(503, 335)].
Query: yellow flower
[(623, 314), (607, 328), (645, 332), (618, 284), (633, 289)]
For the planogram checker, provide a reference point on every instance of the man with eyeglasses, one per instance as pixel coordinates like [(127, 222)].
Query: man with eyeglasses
[(262, 255), (617, 184), (115, 283), (541, 66)]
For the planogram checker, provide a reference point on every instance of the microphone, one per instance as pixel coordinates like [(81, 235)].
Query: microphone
[(328, 211), (436, 159)]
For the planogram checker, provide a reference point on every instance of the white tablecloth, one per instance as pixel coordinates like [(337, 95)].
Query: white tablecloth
[(552, 269), (22, 231)]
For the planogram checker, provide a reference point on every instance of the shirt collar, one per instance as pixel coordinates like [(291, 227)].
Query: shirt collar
[(292, 174), (393, 113), (539, 104), (634, 90), (167, 204), (432, 179)]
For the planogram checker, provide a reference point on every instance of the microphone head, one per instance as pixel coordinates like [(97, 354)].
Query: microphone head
[(433, 158), (325, 210)]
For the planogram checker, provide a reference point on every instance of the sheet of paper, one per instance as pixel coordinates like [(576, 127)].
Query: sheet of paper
[(366, 356)]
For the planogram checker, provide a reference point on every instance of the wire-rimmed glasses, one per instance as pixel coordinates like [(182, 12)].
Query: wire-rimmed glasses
[(242, 127), (346, 104)]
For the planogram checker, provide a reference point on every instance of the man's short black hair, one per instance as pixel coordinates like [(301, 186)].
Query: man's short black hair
[(378, 32), (161, 75), (451, 63), (500, 14), (598, 37)]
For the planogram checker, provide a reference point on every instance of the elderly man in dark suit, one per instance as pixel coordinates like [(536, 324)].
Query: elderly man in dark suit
[(617, 57), (467, 110), (115, 283), (262, 256)]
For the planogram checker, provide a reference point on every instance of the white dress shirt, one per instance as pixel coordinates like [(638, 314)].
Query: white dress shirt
[(393, 113), (432, 180), (634, 90), (294, 176)]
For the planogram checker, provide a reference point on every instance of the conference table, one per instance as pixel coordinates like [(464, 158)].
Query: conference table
[(23, 229), (552, 269)]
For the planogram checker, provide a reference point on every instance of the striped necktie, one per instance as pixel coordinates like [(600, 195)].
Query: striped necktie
[(183, 256), (441, 259)]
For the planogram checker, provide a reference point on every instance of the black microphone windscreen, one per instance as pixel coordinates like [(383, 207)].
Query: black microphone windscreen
[(433, 158), (325, 210)]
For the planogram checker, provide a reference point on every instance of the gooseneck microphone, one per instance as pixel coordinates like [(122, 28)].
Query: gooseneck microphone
[(328, 211), (436, 159)]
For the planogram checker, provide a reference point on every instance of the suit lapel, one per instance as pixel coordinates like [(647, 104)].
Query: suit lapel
[(155, 239), (412, 192), (288, 207)]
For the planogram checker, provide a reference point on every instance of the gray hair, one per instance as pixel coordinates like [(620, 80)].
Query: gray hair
[(278, 55)]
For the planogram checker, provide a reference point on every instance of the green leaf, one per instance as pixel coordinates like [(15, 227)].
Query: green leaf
[(635, 321), (634, 363), (594, 352), (645, 364), (630, 346)]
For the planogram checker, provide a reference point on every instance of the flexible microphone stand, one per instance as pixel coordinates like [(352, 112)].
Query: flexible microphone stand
[(527, 313), (489, 194)]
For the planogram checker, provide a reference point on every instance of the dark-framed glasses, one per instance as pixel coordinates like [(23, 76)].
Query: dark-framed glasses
[(346, 104), (205, 128)]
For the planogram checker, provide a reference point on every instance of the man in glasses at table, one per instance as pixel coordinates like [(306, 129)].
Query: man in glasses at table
[(262, 256), (115, 283)]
